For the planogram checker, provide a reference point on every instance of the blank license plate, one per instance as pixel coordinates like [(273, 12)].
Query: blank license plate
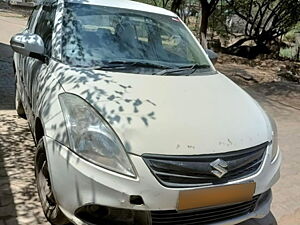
[(215, 196)]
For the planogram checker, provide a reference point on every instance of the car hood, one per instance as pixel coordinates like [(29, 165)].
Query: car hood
[(174, 115)]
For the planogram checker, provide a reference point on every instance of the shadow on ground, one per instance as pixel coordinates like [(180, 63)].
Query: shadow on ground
[(7, 80), (277, 93), (7, 205), (19, 203), (8, 213), (17, 171)]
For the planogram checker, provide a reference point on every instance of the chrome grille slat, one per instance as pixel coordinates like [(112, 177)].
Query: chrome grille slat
[(193, 171), (179, 175), (250, 168)]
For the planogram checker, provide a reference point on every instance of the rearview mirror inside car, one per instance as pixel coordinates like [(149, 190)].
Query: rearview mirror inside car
[(30, 45)]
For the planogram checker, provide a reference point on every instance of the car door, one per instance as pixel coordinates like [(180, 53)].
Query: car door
[(19, 59), (44, 28)]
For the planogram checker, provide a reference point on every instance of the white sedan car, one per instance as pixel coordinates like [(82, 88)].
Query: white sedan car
[(132, 122)]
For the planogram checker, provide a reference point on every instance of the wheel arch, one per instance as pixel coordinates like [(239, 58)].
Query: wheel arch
[(38, 130), (14, 67)]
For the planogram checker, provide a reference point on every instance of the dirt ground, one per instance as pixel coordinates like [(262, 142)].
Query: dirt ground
[(19, 204)]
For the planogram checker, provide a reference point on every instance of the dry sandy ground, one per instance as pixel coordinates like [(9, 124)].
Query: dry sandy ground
[(280, 99), (19, 203)]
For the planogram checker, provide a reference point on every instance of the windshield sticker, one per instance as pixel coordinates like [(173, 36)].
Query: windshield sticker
[(175, 19)]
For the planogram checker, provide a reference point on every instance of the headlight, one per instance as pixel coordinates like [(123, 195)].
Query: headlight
[(91, 137), (275, 146)]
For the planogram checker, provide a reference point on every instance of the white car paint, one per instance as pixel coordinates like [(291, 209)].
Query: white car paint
[(210, 108), (166, 115), (127, 5)]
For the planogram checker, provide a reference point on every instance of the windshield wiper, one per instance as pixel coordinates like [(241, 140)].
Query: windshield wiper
[(126, 64), (192, 67)]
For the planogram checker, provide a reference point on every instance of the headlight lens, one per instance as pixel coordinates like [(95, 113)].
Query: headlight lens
[(275, 146), (91, 137)]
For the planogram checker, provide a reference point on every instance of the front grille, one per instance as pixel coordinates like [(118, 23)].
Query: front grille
[(203, 216), (193, 171)]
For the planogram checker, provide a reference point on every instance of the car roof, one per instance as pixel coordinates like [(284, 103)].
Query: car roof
[(126, 4)]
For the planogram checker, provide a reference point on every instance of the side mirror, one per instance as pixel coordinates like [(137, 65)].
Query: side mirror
[(212, 55), (30, 45)]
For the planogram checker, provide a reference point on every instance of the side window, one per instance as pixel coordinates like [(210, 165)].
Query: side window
[(45, 25)]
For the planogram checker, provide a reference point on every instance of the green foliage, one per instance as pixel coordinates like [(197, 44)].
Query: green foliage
[(289, 53), (217, 22), (291, 35)]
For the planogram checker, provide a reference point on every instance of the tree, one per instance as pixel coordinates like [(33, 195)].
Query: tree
[(265, 21), (176, 5), (207, 8)]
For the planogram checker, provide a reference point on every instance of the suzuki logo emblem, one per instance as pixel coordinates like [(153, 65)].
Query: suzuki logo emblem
[(219, 167)]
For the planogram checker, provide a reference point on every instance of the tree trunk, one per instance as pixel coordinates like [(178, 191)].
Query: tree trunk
[(204, 25), (176, 5)]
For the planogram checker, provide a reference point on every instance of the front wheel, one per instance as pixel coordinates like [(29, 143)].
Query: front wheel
[(44, 187)]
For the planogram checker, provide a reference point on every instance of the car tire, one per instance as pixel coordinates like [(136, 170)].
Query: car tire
[(49, 204), (19, 106)]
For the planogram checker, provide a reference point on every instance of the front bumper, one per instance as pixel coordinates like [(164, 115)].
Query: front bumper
[(77, 182)]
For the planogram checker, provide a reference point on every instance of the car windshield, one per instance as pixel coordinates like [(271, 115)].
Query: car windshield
[(98, 36)]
